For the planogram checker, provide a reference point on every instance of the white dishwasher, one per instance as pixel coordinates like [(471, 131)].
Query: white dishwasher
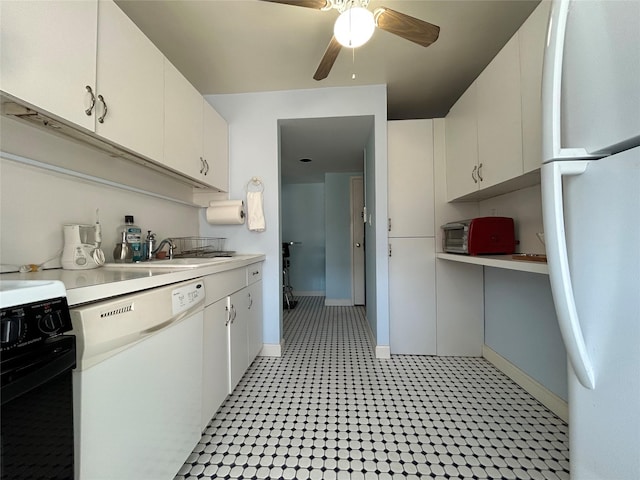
[(138, 383)]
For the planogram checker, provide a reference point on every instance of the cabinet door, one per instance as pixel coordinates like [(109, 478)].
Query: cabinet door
[(237, 339), (182, 125), (500, 117), (49, 55), (412, 305), (532, 36), (461, 132), (215, 381), (253, 307), (130, 77), (410, 178), (215, 148)]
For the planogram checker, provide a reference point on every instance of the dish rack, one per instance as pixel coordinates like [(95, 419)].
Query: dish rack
[(199, 247)]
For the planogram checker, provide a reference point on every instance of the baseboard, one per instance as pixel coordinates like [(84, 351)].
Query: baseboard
[(271, 350), (338, 302), (308, 294), (541, 393), (383, 351)]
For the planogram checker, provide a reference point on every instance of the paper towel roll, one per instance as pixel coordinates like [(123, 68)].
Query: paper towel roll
[(226, 212)]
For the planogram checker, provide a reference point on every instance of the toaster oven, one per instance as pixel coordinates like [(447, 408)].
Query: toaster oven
[(480, 236)]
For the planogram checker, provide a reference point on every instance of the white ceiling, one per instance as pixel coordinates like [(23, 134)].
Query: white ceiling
[(240, 46)]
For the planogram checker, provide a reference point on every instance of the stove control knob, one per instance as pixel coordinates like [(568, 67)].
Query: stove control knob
[(50, 323), (12, 330)]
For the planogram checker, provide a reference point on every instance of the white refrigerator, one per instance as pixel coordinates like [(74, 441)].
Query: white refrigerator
[(591, 216)]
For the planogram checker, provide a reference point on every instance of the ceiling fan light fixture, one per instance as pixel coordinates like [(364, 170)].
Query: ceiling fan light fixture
[(354, 27)]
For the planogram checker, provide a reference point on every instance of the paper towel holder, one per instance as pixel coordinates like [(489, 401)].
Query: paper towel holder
[(255, 185)]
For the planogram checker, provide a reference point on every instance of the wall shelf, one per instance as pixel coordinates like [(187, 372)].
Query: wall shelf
[(498, 261)]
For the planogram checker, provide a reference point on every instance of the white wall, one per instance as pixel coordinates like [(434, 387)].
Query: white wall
[(254, 151), (35, 203), (525, 207)]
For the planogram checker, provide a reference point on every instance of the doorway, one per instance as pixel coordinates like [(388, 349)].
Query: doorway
[(319, 157)]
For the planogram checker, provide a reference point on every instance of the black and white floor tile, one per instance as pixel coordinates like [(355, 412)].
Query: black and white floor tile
[(328, 409)]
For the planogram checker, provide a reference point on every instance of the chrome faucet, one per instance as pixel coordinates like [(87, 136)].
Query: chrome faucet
[(166, 241)]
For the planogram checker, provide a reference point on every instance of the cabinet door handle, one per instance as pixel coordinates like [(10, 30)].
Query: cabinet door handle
[(480, 172), (93, 101), (228, 310), (201, 165), (104, 113), (206, 166), (389, 250), (250, 301), (473, 174)]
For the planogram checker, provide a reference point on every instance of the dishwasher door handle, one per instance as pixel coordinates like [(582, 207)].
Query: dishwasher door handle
[(155, 328)]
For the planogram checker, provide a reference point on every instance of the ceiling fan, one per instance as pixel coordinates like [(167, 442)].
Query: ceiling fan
[(355, 26)]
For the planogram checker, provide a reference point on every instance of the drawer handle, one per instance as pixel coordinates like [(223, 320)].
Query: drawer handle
[(256, 272)]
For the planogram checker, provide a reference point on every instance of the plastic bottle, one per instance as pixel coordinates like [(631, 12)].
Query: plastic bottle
[(122, 253), (134, 238)]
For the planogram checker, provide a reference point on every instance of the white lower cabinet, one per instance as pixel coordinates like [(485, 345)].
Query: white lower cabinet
[(253, 306), (232, 333), (412, 303), (215, 359), (237, 339)]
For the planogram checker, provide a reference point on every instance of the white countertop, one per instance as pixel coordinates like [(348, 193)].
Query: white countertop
[(498, 261), (99, 283)]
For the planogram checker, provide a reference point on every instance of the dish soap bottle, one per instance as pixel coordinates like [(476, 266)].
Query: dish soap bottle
[(123, 253), (134, 238)]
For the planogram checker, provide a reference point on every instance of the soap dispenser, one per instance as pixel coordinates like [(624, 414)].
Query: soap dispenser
[(123, 253)]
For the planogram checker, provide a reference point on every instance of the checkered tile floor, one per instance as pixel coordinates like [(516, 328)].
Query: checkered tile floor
[(328, 409)]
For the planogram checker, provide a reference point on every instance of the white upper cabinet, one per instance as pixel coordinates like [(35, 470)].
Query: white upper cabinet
[(410, 178), (500, 118), (182, 125), (493, 132), (532, 40), (48, 52), (196, 136), (216, 148), (461, 131), (130, 80)]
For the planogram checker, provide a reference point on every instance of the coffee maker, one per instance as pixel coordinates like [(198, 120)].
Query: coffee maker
[(82, 247)]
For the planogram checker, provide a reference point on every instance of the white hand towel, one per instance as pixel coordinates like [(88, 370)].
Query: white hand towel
[(255, 213)]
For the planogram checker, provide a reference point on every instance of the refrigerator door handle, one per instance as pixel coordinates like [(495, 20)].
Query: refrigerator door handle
[(552, 88), (559, 274)]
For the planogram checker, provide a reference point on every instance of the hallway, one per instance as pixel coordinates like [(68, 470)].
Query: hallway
[(328, 409)]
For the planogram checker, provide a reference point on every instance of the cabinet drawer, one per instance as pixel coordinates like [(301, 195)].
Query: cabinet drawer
[(222, 284), (254, 273)]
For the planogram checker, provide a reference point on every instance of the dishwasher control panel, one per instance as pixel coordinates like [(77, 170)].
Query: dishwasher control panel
[(187, 296)]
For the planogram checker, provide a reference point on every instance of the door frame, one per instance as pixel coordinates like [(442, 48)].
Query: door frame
[(358, 271)]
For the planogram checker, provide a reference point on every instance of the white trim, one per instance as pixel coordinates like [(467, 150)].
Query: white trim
[(352, 227), (383, 351), (541, 393), (309, 294), (271, 350), (338, 302)]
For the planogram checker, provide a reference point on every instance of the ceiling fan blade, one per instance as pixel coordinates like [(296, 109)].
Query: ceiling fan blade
[(410, 28), (328, 59), (317, 4)]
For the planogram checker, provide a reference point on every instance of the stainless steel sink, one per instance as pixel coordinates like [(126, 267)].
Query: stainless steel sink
[(173, 263)]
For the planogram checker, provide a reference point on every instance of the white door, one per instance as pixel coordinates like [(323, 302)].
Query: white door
[(604, 260), (357, 240), (49, 56), (215, 356), (412, 305), (130, 78), (602, 44), (237, 338)]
